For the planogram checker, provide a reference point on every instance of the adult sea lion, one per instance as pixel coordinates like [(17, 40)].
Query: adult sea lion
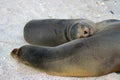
[(93, 56), (53, 32)]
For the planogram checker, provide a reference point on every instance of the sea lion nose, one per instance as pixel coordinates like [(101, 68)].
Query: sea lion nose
[(86, 32), (14, 52)]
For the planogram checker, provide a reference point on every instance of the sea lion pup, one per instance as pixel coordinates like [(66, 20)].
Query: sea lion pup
[(87, 57), (53, 32)]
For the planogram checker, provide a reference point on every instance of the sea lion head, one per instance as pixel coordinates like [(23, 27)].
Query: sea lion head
[(82, 30), (14, 53), (28, 55), (19, 55)]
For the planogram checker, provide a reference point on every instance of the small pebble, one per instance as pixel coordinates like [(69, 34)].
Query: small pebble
[(111, 12)]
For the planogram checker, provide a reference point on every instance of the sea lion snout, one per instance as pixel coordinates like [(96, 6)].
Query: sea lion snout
[(85, 31), (14, 52)]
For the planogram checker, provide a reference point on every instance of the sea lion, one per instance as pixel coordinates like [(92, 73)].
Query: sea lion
[(105, 24), (87, 57), (53, 32)]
